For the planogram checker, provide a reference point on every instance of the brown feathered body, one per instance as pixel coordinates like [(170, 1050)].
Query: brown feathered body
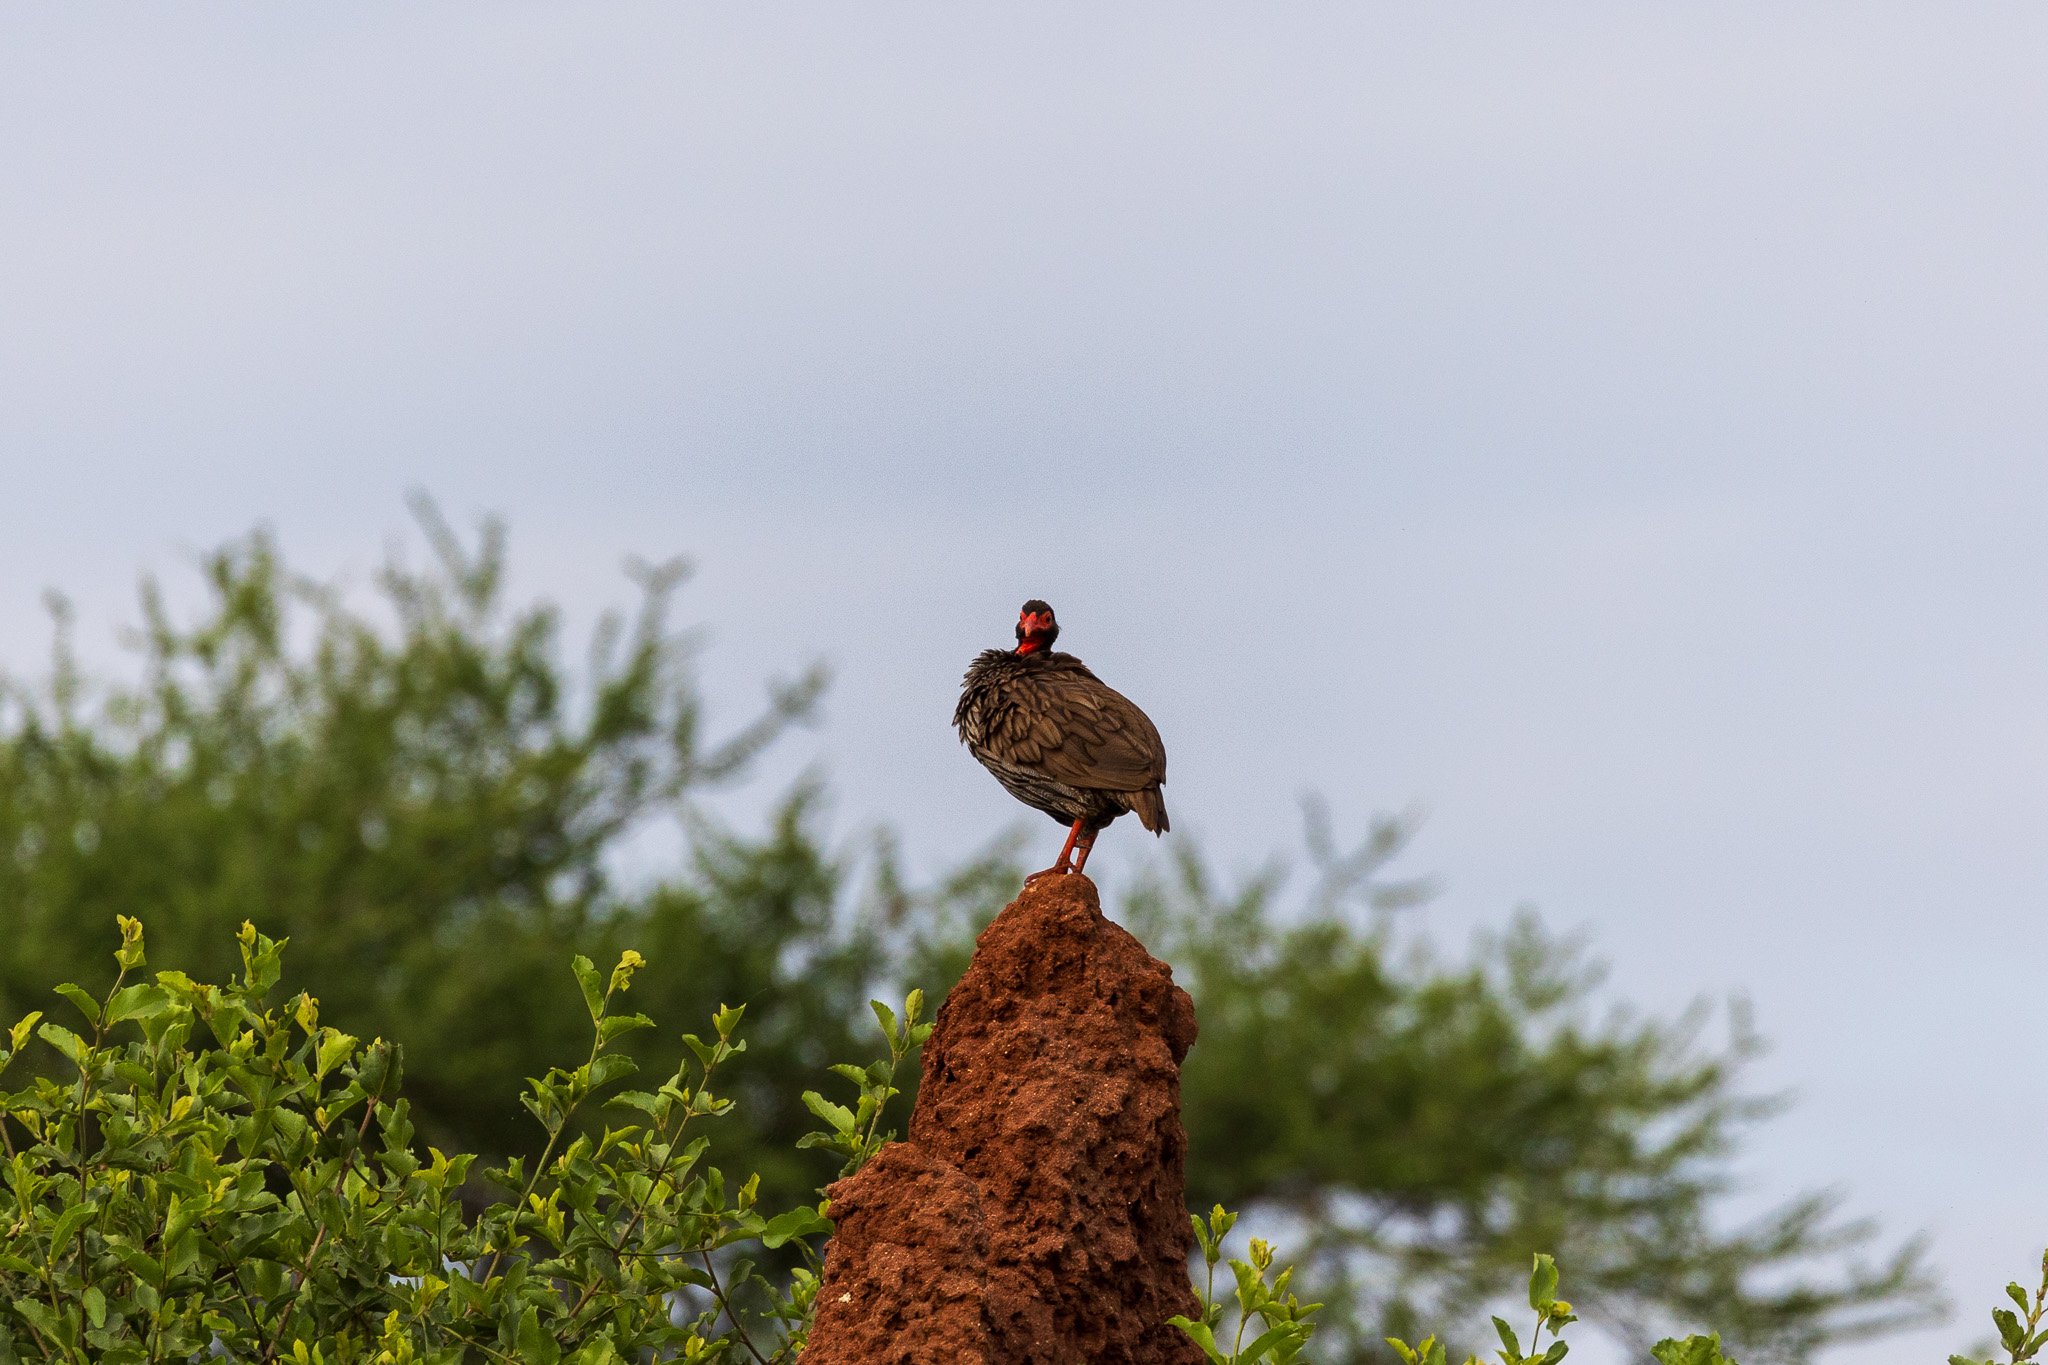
[(1061, 740)]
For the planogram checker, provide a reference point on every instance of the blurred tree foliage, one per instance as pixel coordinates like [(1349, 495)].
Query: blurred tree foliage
[(430, 798), (1424, 1122), (430, 807)]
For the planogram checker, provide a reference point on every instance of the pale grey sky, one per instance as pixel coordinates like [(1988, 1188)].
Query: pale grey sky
[(1617, 429)]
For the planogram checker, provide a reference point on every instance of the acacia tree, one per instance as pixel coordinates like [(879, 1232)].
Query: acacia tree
[(428, 795), (430, 809), (1425, 1121)]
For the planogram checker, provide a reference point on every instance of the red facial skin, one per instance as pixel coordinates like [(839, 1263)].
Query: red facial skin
[(1033, 624)]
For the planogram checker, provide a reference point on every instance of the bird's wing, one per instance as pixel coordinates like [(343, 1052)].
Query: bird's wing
[(1076, 729)]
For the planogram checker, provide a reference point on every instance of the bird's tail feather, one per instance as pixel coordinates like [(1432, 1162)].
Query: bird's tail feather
[(1150, 808)]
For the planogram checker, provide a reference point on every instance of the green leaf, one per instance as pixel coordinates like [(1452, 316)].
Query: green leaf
[(140, 1001), (1694, 1350), (65, 1041), (44, 1320), (68, 1224), (598, 1351), (95, 1306), (1221, 1221), (1507, 1338), (1543, 1283), (335, 1047), (784, 1227), (2009, 1330), (139, 1263), (534, 1344), (838, 1115), (618, 1025), (610, 1067), (1203, 1338), (87, 1006), (178, 1219), (18, 1035), (2018, 1296), (1556, 1352), (886, 1017), (1269, 1340), (592, 984)]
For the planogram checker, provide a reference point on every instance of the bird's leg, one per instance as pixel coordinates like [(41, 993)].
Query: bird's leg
[(1066, 854), (1081, 847)]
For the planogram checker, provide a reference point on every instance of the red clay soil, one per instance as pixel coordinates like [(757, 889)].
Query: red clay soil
[(1037, 1214)]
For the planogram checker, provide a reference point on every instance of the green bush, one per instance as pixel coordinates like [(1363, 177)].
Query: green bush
[(222, 1175), (2022, 1333), (1285, 1322), (1288, 1323), (1554, 1315)]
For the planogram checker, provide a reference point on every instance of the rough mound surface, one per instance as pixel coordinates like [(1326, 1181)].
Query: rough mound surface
[(1037, 1213)]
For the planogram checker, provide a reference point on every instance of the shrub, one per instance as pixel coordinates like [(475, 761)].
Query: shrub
[(222, 1175), (2022, 1333)]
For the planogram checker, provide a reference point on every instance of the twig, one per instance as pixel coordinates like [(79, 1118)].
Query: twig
[(731, 1314), (305, 1271)]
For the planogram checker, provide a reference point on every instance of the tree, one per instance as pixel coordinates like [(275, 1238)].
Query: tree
[(1427, 1122), (428, 798), (428, 810)]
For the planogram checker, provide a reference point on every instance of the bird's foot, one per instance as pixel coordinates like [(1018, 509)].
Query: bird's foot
[(1056, 870)]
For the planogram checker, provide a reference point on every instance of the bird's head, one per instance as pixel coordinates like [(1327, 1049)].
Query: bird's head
[(1036, 628)]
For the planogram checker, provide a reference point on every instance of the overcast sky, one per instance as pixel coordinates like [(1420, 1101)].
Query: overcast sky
[(1618, 430)]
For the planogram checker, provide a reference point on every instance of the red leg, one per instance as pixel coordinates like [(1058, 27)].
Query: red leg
[(1087, 841), (1066, 854)]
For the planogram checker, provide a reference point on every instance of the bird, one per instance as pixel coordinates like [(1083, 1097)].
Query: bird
[(1060, 739)]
